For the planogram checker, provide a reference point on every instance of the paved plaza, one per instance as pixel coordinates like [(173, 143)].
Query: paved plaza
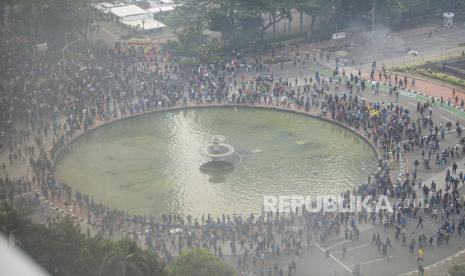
[(328, 258), (363, 252)]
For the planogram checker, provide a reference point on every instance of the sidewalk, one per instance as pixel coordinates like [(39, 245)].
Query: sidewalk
[(429, 88)]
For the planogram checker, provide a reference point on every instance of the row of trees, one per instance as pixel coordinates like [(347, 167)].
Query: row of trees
[(241, 22), (238, 21), (63, 250)]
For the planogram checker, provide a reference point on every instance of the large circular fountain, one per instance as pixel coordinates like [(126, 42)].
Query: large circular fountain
[(152, 164)]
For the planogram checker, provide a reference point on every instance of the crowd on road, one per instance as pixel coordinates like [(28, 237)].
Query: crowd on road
[(42, 108)]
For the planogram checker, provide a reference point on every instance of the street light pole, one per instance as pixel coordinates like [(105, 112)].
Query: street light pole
[(63, 51), (373, 19), (334, 11)]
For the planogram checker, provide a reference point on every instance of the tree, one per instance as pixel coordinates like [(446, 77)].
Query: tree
[(199, 262), (239, 21), (13, 221), (124, 258), (63, 250), (188, 27), (68, 16), (271, 12), (242, 22), (457, 270), (314, 8), (53, 20)]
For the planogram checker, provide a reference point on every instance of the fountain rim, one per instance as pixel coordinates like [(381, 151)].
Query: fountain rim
[(62, 148), (59, 151)]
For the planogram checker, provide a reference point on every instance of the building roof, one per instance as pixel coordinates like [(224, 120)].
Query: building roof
[(105, 7), (147, 24), (162, 9), (127, 10)]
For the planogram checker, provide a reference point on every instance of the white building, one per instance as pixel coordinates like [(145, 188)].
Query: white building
[(132, 16), (129, 13), (162, 10)]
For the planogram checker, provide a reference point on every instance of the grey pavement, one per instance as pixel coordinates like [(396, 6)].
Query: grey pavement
[(388, 48), (313, 260)]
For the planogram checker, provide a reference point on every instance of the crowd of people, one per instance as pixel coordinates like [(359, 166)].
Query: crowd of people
[(42, 108)]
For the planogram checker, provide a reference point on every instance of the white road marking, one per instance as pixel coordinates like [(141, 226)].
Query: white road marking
[(445, 118), (375, 261), (341, 263), (410, 103), (335, 259), (337, 244), (319, 246), (353, 248), (433, 265)]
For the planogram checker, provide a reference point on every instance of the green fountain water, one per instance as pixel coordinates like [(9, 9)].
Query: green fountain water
[(150, 164)]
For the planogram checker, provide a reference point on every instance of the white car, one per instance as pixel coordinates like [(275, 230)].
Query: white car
[(176, 231), (413, 53)]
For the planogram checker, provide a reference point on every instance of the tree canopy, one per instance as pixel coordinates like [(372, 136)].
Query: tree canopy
[(63, 250), (198, 262), (53, 20), (242, 22)]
